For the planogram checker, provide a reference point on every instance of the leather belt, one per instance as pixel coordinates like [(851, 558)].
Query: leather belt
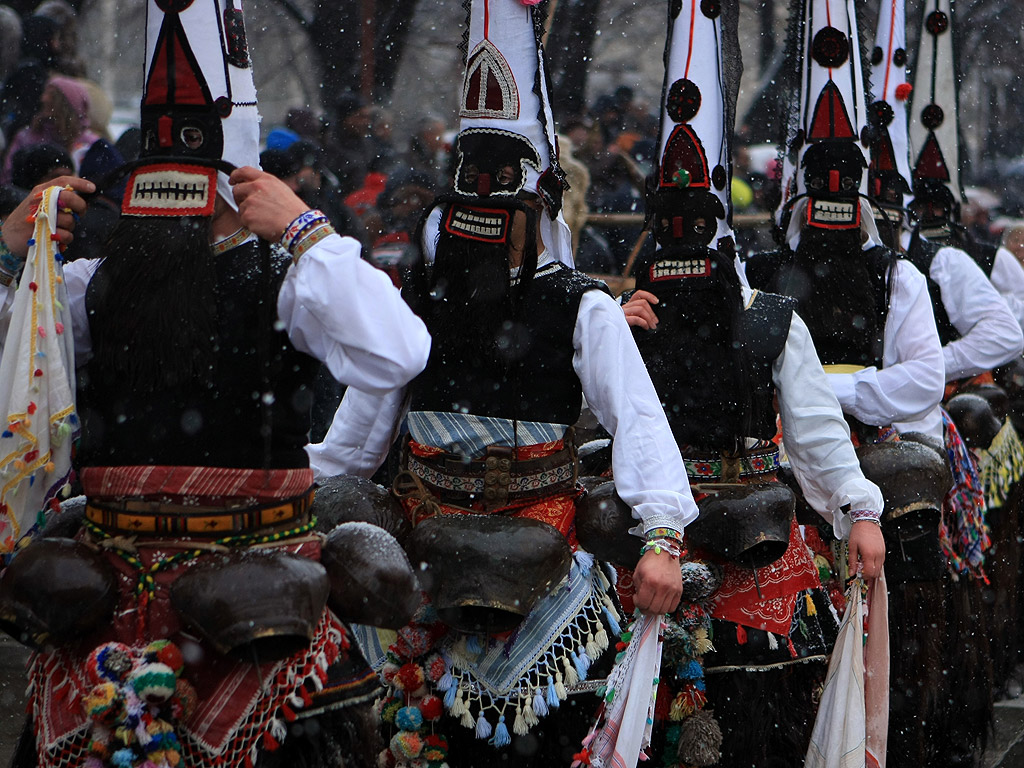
[(497, 479), (156, 518)]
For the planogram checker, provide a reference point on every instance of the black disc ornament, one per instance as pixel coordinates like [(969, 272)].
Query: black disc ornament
[(223, 106), (830, 48), (932, 116), (173, 6), (937, 23), (675, 8), (899, 57), (876, 55), (719, 177), (881, 113), (712, 9), (683, 100)]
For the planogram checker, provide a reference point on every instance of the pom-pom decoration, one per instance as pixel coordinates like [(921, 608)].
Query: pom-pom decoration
[(435, 748), (409, 678), (165, 652), (406, 744), (103, 704), (432, 708), (409, 719), (111, 661), (903, 91), (154, 683)]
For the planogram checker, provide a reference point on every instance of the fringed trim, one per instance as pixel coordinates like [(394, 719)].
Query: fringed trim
[(543, 687), (1001, 465)]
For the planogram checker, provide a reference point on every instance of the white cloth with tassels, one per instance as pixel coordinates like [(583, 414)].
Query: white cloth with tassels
[(37, 386)]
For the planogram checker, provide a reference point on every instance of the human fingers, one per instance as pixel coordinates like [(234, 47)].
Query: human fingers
[(640, 315), (244, 174), (646, 296)]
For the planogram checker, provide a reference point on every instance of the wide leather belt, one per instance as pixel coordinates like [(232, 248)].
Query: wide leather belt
[(497, 479), (159, 519), (730, 468)]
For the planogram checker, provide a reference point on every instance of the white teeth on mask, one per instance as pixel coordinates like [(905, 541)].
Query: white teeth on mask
[(671, 269), (480, 224), (171, 191), (832, 212)]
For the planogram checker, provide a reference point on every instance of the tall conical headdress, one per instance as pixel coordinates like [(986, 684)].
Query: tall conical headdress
[(825, 156), (697, 109), (889, 173), (934, 125), (506, 143), (198, 107)]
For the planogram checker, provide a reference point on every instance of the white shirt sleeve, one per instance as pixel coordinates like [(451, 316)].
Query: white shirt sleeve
[(912, 379), (816, 435), (1008, 278), (649, 472), (989, 334), (343, 311), (360, 435)]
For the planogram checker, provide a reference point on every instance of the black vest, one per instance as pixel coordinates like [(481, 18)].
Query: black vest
[(539, 384), (771, 271), (712, 408), (921, 254), (984, 255), (218, 426)]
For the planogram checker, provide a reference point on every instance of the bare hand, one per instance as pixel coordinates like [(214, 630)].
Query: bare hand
[(266, 204), (867, 545), (18, 229), (639, 312), (658, 583)]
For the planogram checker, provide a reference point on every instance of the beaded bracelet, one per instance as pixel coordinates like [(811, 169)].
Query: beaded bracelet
[(311, 239), (671, 547), (866, 515), (303, 222)]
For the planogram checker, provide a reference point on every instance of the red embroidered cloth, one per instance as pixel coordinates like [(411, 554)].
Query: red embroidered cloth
[(737, 600), (239, 703), (196, 485)]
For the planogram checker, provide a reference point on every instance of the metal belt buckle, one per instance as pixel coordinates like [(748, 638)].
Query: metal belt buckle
[(497, 476)]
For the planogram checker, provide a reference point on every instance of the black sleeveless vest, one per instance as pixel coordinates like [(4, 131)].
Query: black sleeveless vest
[(218, 426), (539, 384), (711, 409), (921, 254)]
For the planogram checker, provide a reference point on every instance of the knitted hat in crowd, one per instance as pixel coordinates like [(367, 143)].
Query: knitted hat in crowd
[(199, 112), (889, 172), (506, 146), (934, 126), (689, 194), (826, 143)]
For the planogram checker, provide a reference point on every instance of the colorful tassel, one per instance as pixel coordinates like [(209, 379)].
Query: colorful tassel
[(501, 736), (483, 727)]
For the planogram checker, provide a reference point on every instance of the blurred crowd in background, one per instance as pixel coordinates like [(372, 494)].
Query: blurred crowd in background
[(373, 184)]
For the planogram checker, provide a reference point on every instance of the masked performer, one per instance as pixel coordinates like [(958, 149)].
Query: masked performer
[(718, 354), (187, 623), (488, 468), (978, 332), (870, 317)]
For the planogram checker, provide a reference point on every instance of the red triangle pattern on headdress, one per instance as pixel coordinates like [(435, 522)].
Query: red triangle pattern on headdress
[(883, 157), (684, 151), (175, 76), (831, 120), (930, 163), (490, 88)]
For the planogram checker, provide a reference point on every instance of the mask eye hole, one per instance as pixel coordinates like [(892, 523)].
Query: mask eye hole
[(192, 137), (471, 173), (849, 184), (506, 175), (815, 183)]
